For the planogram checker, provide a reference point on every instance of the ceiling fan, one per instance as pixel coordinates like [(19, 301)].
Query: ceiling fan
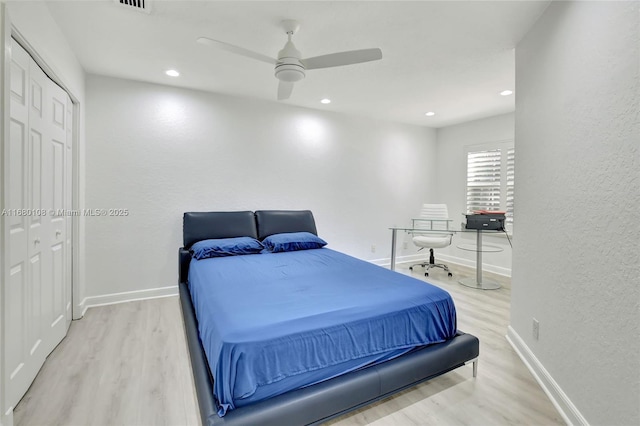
[(290, 67)]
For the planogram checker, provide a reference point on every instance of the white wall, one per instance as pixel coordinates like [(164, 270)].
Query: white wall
[(451, 185), (33, 20), (160, 151), (575, 264)]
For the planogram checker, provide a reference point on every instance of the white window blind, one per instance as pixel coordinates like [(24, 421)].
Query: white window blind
[(483, 180), (490, 178), (511, 153)]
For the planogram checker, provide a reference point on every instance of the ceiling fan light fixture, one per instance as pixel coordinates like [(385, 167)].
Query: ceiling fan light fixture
[(289, 72)]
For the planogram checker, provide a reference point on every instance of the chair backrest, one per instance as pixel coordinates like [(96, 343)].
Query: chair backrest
[(433, 211)]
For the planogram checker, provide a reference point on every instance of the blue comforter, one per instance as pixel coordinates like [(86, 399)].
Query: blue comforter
[(273, 322)]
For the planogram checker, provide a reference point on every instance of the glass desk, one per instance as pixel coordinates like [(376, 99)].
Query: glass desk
[(478, 282)]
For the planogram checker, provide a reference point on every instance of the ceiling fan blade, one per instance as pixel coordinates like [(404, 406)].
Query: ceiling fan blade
[(342, 58), (236, 49), (284, 90)]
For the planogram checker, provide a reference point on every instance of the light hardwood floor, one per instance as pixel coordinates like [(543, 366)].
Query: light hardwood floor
[(127, 364)]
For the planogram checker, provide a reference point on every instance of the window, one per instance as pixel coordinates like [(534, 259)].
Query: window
[(490, 177), (511, 154)]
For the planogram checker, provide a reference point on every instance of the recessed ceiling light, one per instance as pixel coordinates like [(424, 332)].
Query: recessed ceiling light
[(172, 73), (325, 101), (506, 92), (430, 114)]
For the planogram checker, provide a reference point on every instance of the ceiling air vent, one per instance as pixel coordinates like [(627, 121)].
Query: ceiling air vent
[(139, 5)]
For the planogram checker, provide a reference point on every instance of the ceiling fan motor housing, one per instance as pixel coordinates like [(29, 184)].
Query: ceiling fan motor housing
[(290, 72), (289, 68)]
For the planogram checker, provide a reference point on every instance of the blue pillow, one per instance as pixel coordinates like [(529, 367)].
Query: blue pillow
[(225, 247), (291, 241)]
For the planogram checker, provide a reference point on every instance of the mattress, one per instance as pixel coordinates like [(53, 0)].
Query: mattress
[(274, 322)]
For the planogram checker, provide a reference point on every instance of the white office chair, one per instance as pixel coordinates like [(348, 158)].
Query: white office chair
[(433, 217)]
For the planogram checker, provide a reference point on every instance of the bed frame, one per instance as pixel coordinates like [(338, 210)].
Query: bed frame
[(323, 401)]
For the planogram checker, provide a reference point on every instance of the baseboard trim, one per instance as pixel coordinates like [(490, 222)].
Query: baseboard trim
[(127, 296), (82, 308), (559, 399), (386, 261), (498, 270), (442, 258), (6, 419)]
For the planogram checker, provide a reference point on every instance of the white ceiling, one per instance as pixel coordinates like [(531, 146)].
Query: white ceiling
[(449, 57)]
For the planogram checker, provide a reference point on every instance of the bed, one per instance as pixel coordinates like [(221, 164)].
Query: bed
[(231, 340)]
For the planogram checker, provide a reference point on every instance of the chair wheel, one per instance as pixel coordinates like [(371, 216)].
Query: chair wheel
[(426, 274), (450, 274)]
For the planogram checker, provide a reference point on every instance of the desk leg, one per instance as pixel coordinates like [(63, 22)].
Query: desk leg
[(479, 258), (393, 249), (478, 282)]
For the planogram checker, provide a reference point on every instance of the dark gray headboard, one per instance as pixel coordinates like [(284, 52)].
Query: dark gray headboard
[(197, 226), (271, 222)]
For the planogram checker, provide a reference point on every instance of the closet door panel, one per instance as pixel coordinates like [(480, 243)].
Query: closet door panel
[(36, 220), (16, 304), (37, 235), (68, 202), (57, 124)]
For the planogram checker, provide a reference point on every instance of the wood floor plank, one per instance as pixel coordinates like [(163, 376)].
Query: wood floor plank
[(128, 364)]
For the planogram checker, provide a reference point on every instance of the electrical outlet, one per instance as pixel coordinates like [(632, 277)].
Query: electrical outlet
[(405, 245), (536, 329), (373, 248)]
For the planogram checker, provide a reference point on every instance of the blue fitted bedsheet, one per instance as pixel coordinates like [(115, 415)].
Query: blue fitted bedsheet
[(274, 322)]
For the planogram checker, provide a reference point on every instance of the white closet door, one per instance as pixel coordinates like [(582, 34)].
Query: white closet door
[(37, 279), (68, 202), (25, 351), (55, 179)]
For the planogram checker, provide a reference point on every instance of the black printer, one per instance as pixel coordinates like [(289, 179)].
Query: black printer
[(487, 220)]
